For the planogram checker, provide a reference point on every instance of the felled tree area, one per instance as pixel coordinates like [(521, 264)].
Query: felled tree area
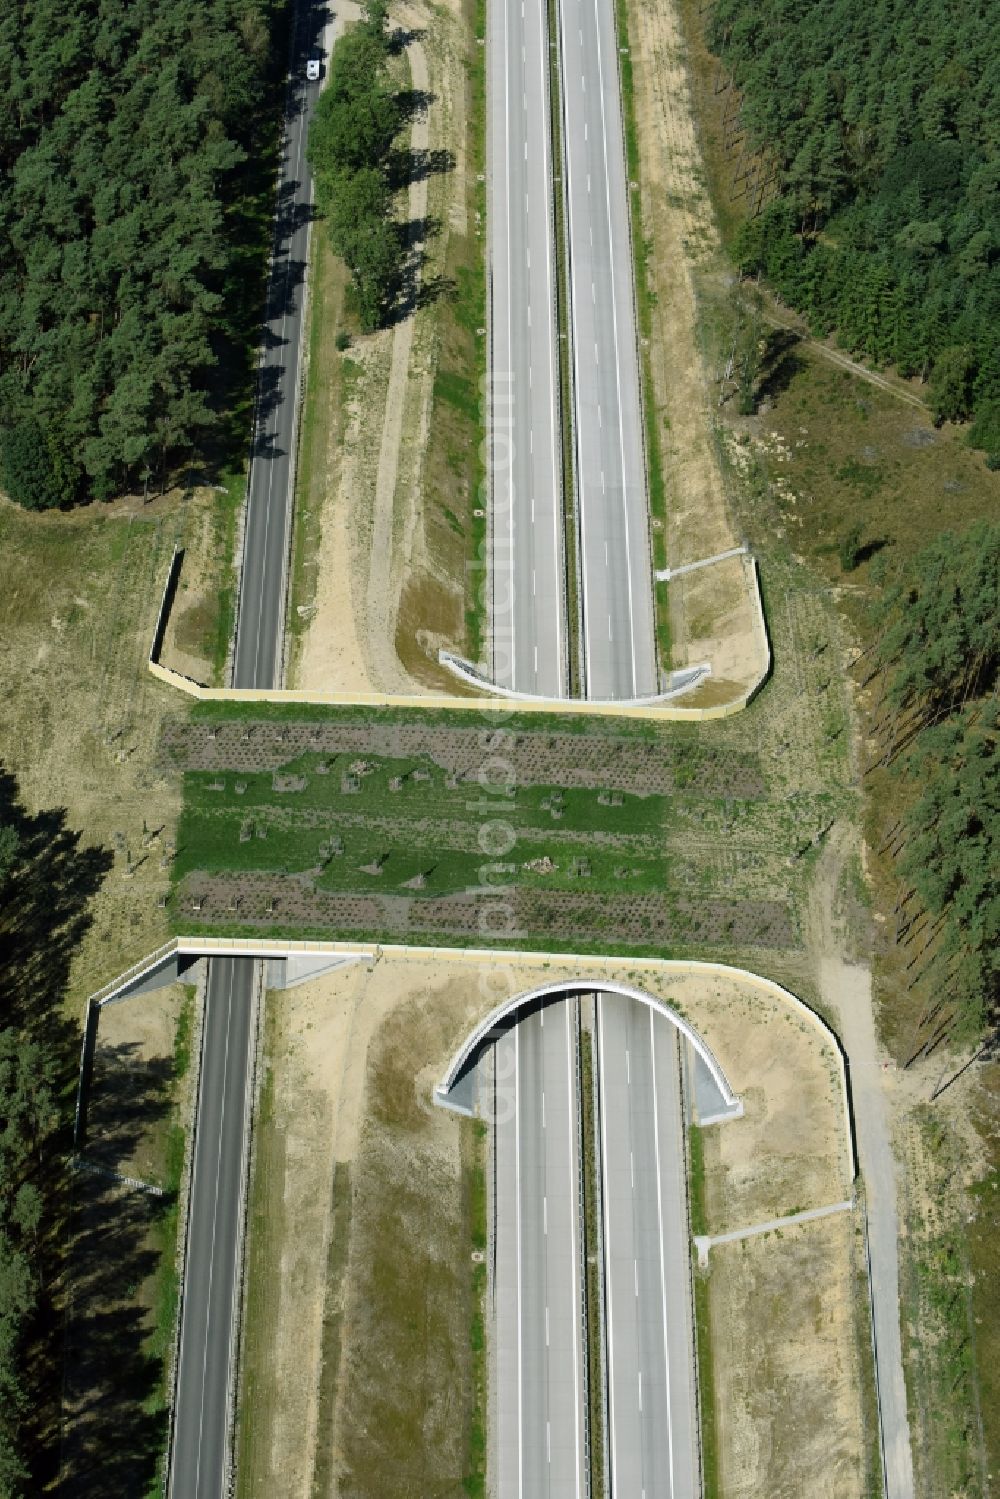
[(934, 672), (866, 129)]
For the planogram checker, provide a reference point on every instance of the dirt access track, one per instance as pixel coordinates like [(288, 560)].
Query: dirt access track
[(353, 1058)]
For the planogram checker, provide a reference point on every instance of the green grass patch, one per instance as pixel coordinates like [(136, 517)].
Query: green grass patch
[(710, 1474), (377, 837), (226, 512), (696, 1180)]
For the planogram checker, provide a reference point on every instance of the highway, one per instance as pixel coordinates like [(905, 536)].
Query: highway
[(539, 1359), (200, 1453), (210, 1280), (616, 570), (652, 1426), (527, 557)]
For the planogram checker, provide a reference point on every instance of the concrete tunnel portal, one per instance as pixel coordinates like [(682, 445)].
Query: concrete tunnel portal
[(715, 1098)]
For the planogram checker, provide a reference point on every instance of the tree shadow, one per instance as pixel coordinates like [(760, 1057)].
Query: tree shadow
[(871, 549), (114, 1396), (44, 916), (114, 1412), (403, 37), (779, 363), (414, 101), (405, 165)]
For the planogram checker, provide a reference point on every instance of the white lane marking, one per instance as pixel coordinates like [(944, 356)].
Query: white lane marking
[(628, 1067), (631, 1168), (517, 1217), (635, 1277), (511, 570), (593, 294), (577, 1288), (557, 541), (600, 421), (610, 629), (543, 1111), (614, 320), (529, 314), (640, 1398), (663, 1270), (588, 182), (215, 1215)]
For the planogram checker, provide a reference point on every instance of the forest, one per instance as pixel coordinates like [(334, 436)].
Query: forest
[(129, 143), (873, 124), (937, 671)]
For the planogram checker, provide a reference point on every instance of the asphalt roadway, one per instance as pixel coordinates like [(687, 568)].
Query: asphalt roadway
[(652, 1426), (539, 1451), (616, 569), (527, 557), (200, 1453)]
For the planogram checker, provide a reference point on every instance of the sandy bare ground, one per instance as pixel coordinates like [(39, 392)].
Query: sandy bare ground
[(788, 1410), (710, 611), (359, 1051), (372, 530)]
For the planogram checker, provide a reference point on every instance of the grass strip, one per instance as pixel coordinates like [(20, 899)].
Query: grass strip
[(591, 1265), (571, 553), (323, 405), (333, 1316), (474, 1148), (165, 1233), (645, 300), (710, 1476), (265, 1231)]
